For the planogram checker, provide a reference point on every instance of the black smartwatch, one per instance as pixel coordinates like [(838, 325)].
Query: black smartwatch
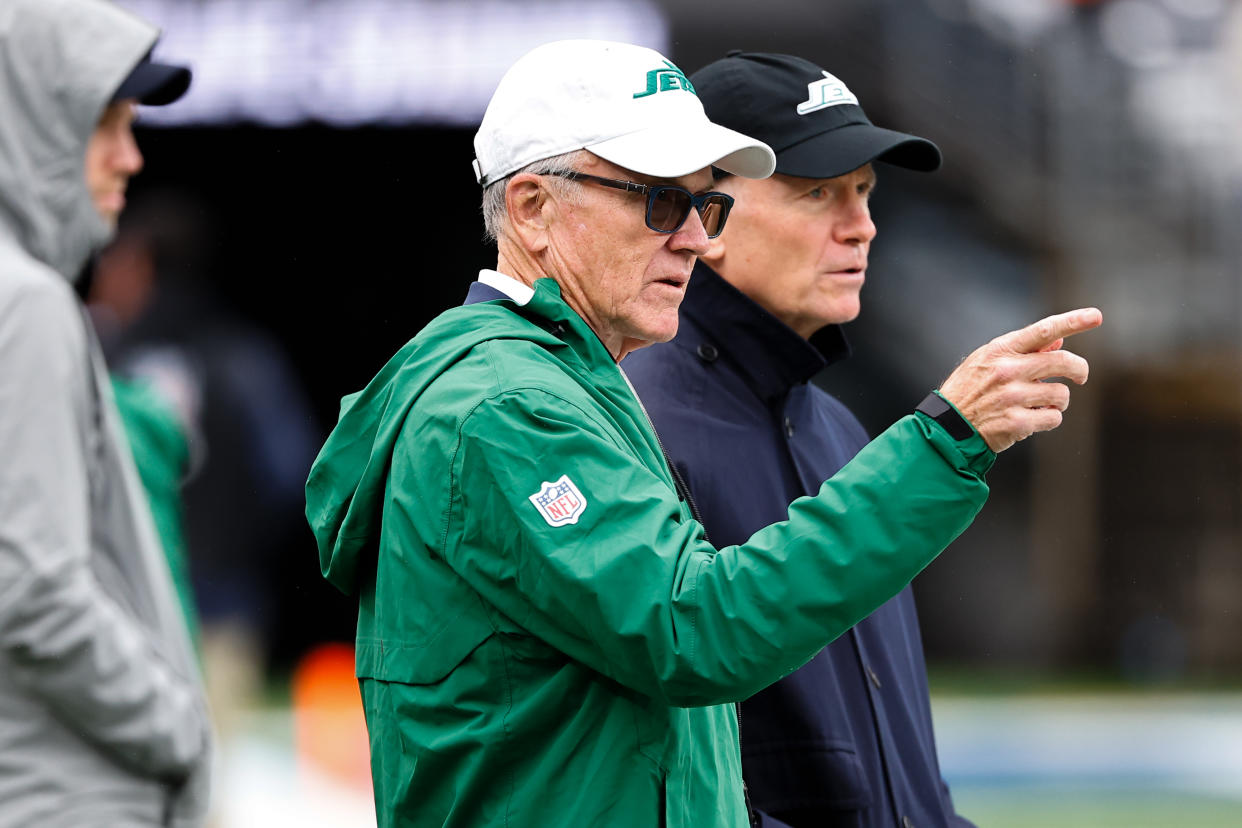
[(938, 408)]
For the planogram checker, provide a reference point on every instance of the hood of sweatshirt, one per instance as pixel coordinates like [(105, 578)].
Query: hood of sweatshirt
[(60, 63), (345, 490)]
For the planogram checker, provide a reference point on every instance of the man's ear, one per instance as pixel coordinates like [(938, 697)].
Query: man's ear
[(716, 247), (527, 202), (715, 251)]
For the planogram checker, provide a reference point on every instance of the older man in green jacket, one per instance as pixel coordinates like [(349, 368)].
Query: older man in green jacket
[(545, 634)]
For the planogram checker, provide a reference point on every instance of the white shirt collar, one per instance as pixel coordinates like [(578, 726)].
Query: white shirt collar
[(517, 291)]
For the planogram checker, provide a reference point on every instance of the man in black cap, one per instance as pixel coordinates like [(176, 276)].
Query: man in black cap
[(112, 155), (847, 739), (103, 719)]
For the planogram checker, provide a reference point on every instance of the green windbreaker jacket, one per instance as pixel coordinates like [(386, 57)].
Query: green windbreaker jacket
[(545, 637)]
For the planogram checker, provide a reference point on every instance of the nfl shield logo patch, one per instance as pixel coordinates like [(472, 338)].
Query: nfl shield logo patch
[(559, 502)]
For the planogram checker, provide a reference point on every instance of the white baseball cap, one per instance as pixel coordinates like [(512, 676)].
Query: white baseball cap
[(627, 104)]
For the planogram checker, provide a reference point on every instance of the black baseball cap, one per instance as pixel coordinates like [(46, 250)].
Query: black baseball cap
[(154, 84), (809, 118)]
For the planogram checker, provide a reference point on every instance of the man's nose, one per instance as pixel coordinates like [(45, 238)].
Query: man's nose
[(857, 226), (127, 157), (691, 236)]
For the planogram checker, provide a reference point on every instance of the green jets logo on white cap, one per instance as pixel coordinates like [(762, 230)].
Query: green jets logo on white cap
[(666, 80)]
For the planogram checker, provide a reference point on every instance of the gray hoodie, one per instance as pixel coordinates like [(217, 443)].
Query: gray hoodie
[(102, 714)]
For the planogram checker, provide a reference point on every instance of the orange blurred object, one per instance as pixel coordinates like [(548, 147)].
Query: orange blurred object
[(330, 730)]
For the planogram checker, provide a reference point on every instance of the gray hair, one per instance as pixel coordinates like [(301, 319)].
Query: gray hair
[(496, 215)]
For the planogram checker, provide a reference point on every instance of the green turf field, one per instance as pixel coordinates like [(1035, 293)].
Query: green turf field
[(1086, 755), (1102, 808)]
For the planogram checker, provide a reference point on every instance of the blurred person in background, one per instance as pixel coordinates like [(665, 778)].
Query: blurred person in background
[(545, 635), (251, 434), (160, 442), (103, 719), (846, 740), (159, 421)]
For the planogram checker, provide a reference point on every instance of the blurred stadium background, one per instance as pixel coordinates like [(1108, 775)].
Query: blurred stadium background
[(1084, 636)]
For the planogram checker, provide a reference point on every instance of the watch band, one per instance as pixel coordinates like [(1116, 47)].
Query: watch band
[(938, 408)]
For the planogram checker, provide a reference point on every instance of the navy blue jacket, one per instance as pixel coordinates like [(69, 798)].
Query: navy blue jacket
[(847, 739)]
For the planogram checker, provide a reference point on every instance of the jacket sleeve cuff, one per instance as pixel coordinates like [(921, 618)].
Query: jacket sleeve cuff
[(953, 436)]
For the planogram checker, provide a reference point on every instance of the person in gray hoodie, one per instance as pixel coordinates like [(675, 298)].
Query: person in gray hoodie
[(103, 718)]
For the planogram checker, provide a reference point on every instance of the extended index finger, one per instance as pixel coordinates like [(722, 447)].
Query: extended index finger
[(1041, 334)]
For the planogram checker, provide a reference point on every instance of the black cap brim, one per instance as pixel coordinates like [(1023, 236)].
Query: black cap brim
[(846, 148), (154, 84)]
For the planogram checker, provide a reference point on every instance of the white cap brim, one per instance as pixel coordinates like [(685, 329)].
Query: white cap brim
[(671, 151)]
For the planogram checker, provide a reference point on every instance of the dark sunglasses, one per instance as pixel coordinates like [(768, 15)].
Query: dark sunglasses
[(668, 206)]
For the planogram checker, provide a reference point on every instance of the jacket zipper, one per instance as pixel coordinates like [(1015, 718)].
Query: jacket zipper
[(683, 491)]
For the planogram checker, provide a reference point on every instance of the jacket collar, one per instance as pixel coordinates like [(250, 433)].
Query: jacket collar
[(543, 305), (481, 292), (766, 352)]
